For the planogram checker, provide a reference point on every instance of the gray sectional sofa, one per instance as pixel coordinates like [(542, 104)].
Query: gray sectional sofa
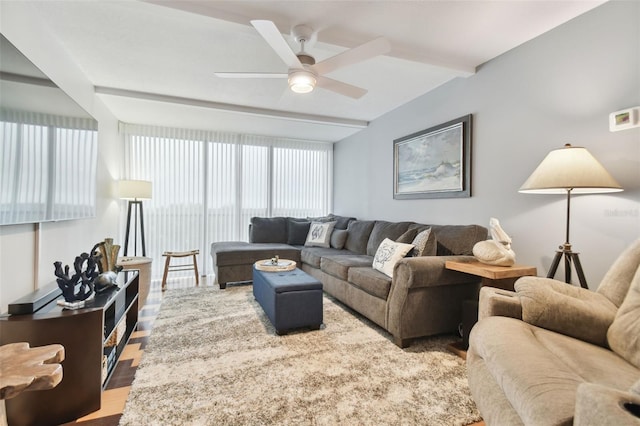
[(423, 298)]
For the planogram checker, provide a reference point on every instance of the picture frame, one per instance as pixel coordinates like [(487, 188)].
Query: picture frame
[(435, 162)]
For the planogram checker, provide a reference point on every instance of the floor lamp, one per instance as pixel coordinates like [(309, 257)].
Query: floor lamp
[(134, 191), (569, 170)]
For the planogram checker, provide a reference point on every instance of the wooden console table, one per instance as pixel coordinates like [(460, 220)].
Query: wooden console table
[(93, 338)]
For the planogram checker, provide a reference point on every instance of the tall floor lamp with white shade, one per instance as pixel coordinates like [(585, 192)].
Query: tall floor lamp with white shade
[(569, 170), (134, 191)]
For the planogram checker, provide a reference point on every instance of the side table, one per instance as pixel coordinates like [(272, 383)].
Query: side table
[(23, 368), (494, 276), (143, 265), (503, 277)]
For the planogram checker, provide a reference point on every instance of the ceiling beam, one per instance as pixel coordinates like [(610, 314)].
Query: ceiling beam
[(239, 109)]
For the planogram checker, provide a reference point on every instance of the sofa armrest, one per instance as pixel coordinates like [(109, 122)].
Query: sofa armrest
[(429, 271), (599, 405), (566, 309), (498, 302)]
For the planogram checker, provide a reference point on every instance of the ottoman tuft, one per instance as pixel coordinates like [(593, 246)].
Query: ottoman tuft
[(291, 299)]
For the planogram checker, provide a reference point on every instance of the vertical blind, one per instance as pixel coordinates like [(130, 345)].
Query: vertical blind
[(207, 185), (48, 167)]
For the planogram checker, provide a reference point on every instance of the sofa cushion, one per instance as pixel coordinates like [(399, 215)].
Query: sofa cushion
[(338, 238), (623, 335), (359, 231), (565, 309), (458, 239), (297, 230), (312, 255), (268, 230), (408, 236), (383, 229), (615, 283), (371, 281), (540, 370), (319, 234), (342, 222), (388, 254), (338, 266), (229, 253)]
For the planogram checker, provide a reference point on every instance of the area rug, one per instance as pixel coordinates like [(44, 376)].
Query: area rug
[(213, 358)]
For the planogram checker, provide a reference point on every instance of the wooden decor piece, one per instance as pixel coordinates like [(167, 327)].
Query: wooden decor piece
[(279, 265), (27, 369)]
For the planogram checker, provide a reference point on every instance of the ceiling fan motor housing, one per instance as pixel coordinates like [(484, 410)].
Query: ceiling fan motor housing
[(306, 59)]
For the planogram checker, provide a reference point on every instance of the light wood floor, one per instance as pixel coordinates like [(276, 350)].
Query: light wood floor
[(115, 395)]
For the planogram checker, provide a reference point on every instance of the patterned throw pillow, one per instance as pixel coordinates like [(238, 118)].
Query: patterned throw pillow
[(420, 244), (388, 254), (319, 234)]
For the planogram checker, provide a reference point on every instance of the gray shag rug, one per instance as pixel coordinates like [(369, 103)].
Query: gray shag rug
[(213, 358)]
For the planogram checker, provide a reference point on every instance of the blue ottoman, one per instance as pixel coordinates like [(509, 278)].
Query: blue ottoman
[(291, 299)]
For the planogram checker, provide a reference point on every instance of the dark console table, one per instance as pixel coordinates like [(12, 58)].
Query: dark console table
[(93, 338)]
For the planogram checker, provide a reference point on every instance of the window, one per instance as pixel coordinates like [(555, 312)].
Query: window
[(208, 185)]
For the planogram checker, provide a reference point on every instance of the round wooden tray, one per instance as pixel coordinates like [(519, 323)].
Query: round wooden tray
[(283, 265)]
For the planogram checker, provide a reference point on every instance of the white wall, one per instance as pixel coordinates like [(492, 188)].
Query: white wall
[(558, 88), (27, 252)]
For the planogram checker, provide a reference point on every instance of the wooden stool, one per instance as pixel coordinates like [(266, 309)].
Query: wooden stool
[(183, 267)]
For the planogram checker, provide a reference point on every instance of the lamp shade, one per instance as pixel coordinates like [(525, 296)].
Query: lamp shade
[(570, 168), (134, 189)]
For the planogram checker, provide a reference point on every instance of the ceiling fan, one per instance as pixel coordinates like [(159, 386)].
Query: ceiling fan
[(304, 74)]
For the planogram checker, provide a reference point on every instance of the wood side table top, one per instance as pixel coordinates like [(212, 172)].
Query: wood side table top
[(490, 271)]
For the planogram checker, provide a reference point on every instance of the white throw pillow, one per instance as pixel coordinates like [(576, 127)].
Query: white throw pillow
[(388, 254), (319, 234)]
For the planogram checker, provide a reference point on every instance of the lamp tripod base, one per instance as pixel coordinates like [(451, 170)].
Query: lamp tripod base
[(569, 258)]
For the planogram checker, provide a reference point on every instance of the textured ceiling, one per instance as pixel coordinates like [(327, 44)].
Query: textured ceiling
[(153, 61)]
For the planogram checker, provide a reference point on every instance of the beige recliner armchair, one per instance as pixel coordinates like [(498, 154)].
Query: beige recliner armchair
[(555, 354)]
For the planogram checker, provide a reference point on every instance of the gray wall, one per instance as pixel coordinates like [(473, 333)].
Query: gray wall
[(558, 88)]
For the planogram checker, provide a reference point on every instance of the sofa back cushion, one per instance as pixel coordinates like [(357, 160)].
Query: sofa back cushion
[(615, 284), (623, 335), (342, 222), (268, 230), (383, 229), (458, 239), (359, 232)]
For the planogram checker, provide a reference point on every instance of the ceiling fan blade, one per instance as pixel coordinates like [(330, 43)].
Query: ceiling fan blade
[(251, 74), (344, 89), (378, 46), (270, 33)]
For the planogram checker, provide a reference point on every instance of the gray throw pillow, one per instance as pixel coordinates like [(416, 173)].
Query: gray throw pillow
[(408, 236), (338, 238), (297, 230)]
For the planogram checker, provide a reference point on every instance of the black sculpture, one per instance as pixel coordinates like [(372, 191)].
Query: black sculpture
[(79, 286), (82, 284)]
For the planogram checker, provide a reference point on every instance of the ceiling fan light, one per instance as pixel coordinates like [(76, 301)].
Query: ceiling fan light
[(302, 81)]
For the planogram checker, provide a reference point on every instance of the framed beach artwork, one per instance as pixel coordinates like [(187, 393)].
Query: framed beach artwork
[(434, 163)]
